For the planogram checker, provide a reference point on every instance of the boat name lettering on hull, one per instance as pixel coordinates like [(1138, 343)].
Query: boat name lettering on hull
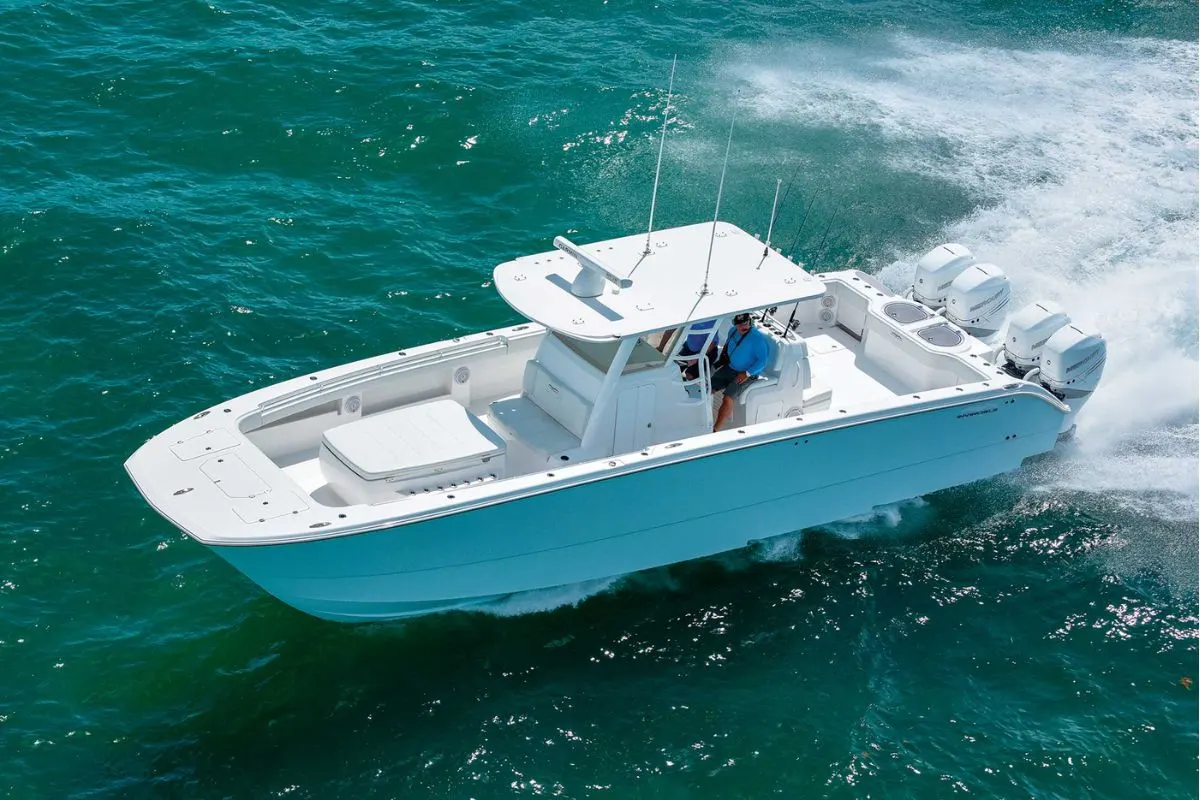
[(980, 412)]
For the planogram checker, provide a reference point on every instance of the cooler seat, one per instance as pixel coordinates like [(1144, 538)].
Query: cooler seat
[(415, 448)]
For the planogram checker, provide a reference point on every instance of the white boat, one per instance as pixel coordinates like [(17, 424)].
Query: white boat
[(574, 447)]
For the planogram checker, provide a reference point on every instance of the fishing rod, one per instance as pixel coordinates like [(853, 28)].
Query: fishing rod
[(777, 209), (820, 247), (787, 190), (803, 222), (777, 206), (828, 227)]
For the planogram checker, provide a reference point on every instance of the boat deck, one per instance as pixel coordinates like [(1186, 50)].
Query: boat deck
[(308, 476), (833, 359)]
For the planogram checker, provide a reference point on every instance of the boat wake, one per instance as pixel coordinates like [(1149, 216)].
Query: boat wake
[(897, 518), (522, 603)]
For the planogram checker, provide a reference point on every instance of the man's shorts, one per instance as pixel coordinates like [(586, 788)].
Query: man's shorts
[(725, 379)]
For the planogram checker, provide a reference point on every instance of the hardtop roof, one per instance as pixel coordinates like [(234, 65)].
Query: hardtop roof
[(667, 284)]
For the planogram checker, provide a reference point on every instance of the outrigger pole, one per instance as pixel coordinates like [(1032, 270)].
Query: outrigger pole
[(661, 142), (717, 213)]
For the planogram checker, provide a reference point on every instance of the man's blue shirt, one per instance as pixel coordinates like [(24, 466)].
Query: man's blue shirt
[(749, 353)]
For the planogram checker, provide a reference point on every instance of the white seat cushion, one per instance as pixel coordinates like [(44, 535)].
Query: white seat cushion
[(531, 426), (436, 435), (774, 355)]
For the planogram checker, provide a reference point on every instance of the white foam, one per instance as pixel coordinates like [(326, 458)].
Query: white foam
[(547, 599), (888, 516), (1085, 167), (779, 548), (1158, 478)]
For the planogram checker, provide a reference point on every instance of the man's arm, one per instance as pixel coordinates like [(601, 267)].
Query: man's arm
[(760, 353)]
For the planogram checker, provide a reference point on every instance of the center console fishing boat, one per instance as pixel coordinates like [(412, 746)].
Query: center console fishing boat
[(578, 444)]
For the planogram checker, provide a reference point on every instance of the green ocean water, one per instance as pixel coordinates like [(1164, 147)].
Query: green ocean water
[(197, 199)]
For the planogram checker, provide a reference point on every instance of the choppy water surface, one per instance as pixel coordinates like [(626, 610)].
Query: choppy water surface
[(201, 198)]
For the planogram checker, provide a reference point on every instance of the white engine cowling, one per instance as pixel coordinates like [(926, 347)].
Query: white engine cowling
[(978, 299), (1028, 331), (1072, 362), (936, 270)]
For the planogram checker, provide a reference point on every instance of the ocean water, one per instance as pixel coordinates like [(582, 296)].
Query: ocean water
[(198, 198)]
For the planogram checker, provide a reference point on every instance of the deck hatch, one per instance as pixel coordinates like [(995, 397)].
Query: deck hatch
[(268, 506), (205, 444), (941, 335), (233, 477), (906, 313)]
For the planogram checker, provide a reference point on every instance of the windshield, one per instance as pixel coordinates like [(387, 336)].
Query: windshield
[(600, 354)]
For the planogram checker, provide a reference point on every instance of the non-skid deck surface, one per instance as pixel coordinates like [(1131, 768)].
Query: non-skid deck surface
[(832, 357)]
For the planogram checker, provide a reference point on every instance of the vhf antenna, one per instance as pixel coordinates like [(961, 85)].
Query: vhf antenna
[(771, 225), (717, 213), (661, 142)]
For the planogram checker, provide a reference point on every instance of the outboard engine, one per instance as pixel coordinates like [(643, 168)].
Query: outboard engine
[(1072, 362), (936, 270), (978, 299), (1028, 331)]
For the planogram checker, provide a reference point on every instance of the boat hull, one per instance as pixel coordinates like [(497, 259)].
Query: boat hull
[(669, 513)]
